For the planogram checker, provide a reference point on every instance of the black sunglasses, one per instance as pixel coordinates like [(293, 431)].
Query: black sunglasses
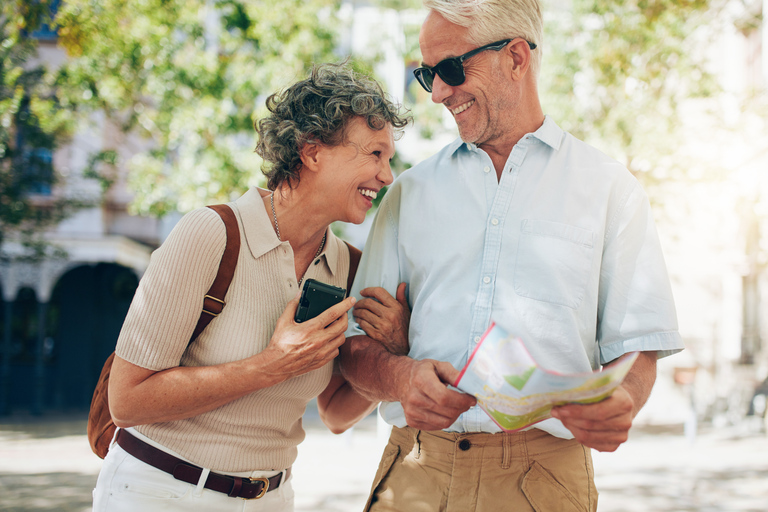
[(451, 70)]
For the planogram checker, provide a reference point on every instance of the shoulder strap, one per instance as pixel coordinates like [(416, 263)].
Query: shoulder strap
[(354, 261), (213, 302)]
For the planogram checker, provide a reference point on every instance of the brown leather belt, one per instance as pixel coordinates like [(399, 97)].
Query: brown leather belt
[(236, 487)]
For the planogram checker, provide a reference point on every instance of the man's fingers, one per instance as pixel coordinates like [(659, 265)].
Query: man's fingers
[(447, 373), (448, 399), (401, 298), (380, 294), (370, 305)]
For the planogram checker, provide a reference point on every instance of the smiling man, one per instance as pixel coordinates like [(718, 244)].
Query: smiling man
[(520, 223)]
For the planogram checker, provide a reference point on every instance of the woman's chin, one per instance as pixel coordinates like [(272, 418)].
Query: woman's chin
[(357, 217)]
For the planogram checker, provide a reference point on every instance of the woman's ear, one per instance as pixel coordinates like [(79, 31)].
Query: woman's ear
[(310, 155)]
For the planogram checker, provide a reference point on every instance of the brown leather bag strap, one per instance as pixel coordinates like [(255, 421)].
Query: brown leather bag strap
[(213, 302), (354, 261)]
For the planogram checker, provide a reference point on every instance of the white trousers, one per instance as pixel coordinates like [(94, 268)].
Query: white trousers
[(126, 484)]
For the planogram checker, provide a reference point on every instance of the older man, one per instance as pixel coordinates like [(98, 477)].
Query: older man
[(519, 222)]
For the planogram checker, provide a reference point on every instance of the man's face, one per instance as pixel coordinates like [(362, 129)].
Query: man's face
[(485, 105), (357, 169)]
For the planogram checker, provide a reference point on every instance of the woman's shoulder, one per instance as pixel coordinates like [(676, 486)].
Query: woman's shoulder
[(199, 230)]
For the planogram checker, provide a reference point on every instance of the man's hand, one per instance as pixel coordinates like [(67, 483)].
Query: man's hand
[(385, 318), (427, 402), (603, 426)]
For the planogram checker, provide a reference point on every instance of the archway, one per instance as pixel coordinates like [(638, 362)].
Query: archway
[(87, 310)]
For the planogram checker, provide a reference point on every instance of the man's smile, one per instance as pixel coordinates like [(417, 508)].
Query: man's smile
[(461, 108)]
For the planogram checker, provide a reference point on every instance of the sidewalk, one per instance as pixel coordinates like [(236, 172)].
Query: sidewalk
[(48, 466)]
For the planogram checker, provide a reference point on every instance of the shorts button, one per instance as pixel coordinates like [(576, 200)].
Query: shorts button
[(465, 445)]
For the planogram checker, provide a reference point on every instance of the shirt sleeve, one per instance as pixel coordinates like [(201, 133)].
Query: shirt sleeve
[(169, 299), (380, 263), (636, 309)]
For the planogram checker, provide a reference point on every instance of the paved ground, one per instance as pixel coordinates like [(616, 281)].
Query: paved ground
[(46, 465)]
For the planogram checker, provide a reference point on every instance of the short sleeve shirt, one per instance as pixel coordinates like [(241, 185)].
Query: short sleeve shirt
[(562, 251)]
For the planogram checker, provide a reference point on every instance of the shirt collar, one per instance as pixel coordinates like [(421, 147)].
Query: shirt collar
[(548, 133), (258, 228)]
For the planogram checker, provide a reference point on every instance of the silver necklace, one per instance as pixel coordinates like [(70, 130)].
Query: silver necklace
[(277, 230)]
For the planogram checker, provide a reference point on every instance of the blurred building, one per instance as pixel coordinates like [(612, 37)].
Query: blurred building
[(60, 317)]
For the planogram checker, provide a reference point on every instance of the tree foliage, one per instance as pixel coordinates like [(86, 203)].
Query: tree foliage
[(618, 73), (32, 125), (189, 76)]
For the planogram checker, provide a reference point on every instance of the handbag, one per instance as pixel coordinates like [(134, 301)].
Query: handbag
[(101, 428)]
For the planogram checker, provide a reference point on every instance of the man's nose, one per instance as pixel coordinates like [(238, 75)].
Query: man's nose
[(440, 90)]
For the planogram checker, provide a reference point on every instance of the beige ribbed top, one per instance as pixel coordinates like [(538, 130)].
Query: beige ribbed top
[(259, 431)]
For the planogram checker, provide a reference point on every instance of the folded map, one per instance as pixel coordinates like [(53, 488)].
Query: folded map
[(516, 392)]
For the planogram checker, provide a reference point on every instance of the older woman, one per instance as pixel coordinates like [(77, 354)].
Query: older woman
[(205, 424)]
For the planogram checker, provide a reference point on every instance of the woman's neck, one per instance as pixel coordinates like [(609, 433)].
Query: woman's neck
[(297, 219)]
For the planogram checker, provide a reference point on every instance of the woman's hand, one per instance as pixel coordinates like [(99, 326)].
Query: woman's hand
[(384, 318), (298, 348)]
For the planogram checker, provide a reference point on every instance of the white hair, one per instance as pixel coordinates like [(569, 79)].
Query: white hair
[(493, 20)]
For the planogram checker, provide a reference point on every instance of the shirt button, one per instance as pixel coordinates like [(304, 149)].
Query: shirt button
[(477, 339), (464, 445), (317, 261), (486, 280), (486, 169), (495, 222)]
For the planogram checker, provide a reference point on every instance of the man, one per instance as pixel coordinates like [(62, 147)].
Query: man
[(520, 223)]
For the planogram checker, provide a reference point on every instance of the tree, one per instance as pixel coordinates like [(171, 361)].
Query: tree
[(618, 73), (32, 124), (189, 76)]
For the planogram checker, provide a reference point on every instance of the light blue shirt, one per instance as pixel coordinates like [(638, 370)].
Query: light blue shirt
[(562, 252)]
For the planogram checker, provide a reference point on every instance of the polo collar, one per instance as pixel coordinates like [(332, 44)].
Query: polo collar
[(258, 228)]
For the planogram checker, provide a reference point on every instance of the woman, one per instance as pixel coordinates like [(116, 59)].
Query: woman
[(225, 412)]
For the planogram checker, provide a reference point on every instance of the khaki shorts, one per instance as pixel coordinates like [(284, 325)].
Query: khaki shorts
[(452, 472)]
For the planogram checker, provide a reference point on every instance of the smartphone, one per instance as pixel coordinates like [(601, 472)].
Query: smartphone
[(316, 297)]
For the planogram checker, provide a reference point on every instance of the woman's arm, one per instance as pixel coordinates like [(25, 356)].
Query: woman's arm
[(385, 320), (340, 406), (139, 396)]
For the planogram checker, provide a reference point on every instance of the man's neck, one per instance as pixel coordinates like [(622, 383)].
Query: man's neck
[(500, 150)]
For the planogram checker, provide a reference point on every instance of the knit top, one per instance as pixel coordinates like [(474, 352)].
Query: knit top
[(259, 431)]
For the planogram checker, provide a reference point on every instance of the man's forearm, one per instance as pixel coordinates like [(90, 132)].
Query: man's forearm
[(373, 371), (640, 379)]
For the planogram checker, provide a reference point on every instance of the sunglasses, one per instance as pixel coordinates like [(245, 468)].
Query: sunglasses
[(451, 70)]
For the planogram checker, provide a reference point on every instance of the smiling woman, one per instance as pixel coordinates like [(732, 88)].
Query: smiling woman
[(227, 408)]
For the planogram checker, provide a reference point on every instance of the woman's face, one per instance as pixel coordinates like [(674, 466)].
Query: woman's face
[(353, 172)]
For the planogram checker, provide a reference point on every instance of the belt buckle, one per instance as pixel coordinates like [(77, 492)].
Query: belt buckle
[(263, 490)]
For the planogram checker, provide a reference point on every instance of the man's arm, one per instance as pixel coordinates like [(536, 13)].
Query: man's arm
[(605, 425), (420, 386)]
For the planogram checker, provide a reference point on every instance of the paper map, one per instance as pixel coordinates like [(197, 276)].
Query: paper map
[(516, 392)]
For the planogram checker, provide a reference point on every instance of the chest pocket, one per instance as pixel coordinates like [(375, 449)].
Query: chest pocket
[(553, 262)]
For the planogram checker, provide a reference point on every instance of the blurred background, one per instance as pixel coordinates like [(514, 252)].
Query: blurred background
[(119, 116)]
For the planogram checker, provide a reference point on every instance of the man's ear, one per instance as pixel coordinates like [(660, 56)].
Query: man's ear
[(520, 55), (310, 155)]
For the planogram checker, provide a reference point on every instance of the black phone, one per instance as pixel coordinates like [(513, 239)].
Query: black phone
[(316, 297)]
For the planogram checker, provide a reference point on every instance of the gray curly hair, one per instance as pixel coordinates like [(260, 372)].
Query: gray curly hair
[(318, 109)]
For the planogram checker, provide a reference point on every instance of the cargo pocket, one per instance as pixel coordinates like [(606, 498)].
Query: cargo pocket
[(553, 262), (387, 461), (546, 494)]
